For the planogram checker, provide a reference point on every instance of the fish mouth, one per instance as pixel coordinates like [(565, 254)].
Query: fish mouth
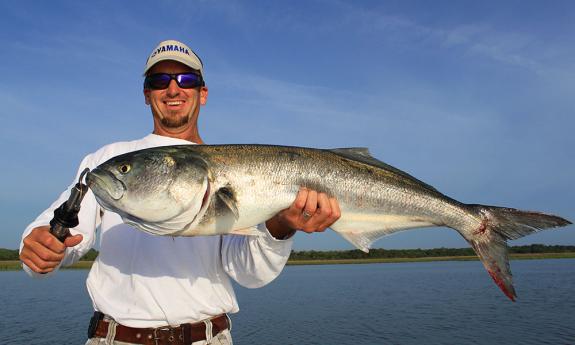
[(102, 180)]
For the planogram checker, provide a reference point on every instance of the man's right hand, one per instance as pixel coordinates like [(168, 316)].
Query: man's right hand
[(43, 252)]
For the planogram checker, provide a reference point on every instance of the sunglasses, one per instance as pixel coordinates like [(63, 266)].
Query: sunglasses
[(161, 81)]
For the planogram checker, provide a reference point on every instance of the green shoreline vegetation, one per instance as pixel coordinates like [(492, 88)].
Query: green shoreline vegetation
[(9, 258)]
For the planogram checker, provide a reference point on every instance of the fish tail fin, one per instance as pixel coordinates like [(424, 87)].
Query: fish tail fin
[(496, 226)]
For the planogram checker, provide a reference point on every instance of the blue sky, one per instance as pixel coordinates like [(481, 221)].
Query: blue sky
[(475, 98)]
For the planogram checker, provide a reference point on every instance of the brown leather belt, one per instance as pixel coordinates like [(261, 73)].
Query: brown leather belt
[(184, 334)]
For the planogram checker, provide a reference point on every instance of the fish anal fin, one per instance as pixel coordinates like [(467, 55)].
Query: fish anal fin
[(373, 227), (361, 240)]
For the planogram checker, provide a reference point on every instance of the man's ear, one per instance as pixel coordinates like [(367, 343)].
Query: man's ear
[(203, 95), (147, 96)]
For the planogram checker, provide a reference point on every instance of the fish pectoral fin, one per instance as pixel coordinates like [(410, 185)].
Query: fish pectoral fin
[(227, 197), (363, 230)]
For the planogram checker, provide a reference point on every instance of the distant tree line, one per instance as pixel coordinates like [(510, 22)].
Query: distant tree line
[(376, 253), (12, 254)]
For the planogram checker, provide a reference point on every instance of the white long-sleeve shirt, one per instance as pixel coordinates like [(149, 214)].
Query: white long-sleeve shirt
[(142, 280)]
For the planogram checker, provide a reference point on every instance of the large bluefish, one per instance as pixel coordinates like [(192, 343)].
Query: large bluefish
[(190, 190)]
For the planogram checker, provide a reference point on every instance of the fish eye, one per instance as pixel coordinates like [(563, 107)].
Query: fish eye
[(124, 168)]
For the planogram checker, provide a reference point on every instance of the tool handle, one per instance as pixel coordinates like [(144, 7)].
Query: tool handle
[(60, 232), (66, 215)]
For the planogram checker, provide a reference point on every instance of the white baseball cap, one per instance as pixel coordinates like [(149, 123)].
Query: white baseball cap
[(177, 51)]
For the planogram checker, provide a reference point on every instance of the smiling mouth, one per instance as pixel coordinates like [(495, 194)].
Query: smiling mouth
[(173, 103)]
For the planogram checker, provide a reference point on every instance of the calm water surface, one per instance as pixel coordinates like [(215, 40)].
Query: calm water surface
[(407, 303)]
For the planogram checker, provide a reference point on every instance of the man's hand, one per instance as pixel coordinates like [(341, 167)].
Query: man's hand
[(42, 252), (310, 212)]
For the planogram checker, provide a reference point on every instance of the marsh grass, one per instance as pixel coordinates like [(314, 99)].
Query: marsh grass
[(13, 265)]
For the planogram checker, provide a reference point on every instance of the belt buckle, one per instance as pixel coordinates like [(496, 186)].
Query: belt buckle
[(171, 337)]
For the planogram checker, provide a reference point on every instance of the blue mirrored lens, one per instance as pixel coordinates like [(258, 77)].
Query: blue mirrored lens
[(188, 80), (161, 81)]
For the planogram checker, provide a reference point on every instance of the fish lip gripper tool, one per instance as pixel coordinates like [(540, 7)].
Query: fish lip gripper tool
[(66, 215)]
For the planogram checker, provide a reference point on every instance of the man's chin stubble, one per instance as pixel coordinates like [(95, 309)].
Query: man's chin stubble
[(174, 123)]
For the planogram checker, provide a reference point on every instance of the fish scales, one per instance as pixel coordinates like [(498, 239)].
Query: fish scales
[(356, 181)]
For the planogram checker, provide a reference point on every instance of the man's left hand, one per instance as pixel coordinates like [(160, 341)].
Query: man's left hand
[(310, 212)]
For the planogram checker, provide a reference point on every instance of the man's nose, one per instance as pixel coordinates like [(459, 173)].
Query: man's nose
[(173, 88)]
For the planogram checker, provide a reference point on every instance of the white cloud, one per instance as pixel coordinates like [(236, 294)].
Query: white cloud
[(479, 39)]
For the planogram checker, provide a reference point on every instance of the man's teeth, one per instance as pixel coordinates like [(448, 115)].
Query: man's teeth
[(174, 102)]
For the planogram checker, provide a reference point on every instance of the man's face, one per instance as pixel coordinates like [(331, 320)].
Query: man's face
[(175, 109)]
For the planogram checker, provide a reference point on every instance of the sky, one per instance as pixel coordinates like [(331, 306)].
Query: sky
[(472, 97)]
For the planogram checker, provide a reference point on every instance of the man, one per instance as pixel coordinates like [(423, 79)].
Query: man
[(175, 290)]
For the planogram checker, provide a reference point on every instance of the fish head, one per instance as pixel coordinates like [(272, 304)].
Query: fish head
[(160, 188)]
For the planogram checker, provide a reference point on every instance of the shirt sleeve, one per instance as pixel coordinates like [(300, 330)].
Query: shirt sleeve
[(254, 261), (88, 221)]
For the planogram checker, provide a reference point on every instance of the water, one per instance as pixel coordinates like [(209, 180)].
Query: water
[(408, 303)]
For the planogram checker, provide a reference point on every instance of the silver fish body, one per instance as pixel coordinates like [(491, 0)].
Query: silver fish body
[(191, 190)]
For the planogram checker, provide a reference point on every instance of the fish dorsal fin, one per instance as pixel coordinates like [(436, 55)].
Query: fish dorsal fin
[(353, 151), (361, 154)]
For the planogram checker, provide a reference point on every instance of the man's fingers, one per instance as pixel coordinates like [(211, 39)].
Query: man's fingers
[(72, 241), (28, 262), (334, 215), (51, 242), (310, 206), (43, 236), (320, 214), (37, 263), (299, 202), (327, 213), (44, 253), (310, 212), (324, 212), (324, 207), (335, 210)]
